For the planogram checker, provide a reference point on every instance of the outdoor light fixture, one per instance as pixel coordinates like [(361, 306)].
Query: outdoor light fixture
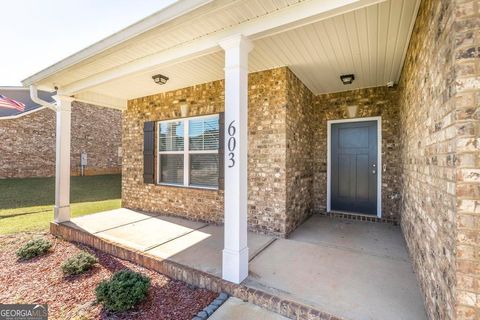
[(160, 79), (347, 78)]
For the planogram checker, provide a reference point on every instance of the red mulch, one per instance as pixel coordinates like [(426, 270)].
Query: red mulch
[(41, 280)]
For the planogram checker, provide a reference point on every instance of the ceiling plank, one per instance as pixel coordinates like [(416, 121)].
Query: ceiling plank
[(282, 20), (315, 60)]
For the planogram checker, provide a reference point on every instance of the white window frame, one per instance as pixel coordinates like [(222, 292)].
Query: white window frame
[(186, 152)]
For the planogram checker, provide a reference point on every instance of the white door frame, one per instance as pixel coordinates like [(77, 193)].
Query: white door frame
[(379, 159)]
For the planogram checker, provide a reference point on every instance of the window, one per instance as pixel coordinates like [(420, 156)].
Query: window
[(188, 152)]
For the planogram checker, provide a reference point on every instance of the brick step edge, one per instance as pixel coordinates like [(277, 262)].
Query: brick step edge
[(197, 278), (212, 307), (358, 217)]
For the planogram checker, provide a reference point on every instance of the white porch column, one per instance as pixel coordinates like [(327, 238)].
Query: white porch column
[(235, 252), (62, 164)]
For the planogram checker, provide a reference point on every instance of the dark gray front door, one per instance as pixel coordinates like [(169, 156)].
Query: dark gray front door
[(354, 167)]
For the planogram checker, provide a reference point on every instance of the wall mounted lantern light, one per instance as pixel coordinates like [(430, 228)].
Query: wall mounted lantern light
[(347, 78), (160, 79)]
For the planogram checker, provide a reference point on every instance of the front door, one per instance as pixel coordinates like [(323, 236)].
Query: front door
[(354, 167)]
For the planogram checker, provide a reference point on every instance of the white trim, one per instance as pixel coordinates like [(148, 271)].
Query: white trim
[(235, 204), (101, 100), (22, 114), (35, 98), (202, 151), (185, 152), (171, 184), (170, 152), (407, 43), (190, 117), (17, 88), (186, 149), (62, 158), (101, 104), (288, 18), (192, 186), (379, 159)]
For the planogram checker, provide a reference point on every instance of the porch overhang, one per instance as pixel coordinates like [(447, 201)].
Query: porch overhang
[(329, 37)]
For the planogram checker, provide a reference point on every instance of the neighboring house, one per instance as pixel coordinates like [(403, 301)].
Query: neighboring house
[(294, 140), (27, 147)]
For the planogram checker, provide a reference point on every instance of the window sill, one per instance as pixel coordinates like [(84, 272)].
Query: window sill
[(172, 185)]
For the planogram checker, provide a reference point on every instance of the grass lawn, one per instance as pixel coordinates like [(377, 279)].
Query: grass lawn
[(27, 204)]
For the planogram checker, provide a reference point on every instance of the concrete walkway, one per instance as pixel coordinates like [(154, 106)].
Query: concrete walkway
[(236, 309), (350, 269)]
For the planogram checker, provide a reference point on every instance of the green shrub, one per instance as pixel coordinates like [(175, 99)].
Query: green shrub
[(123, 291), (34, 248), (79, 263)]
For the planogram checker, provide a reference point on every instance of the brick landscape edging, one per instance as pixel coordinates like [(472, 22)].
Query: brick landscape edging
[(191, 276), (212, 307)]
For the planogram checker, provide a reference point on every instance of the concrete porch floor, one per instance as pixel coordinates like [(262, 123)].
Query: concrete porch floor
[(350, 269)]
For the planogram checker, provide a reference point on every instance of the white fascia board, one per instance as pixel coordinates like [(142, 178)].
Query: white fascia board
[(22, 114), (101, 100), (176, 9), (291, 17), (13, 88), (97, 103)]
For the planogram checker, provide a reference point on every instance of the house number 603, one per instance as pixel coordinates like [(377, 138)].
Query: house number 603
[(231, 144)]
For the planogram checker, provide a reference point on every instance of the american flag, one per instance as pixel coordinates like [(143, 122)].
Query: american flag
[(11, 104)]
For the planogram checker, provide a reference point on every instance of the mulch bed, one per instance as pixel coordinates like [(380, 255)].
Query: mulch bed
[(41, 280)]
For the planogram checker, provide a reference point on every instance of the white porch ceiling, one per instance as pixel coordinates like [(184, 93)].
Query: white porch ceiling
[(369, 42), (211, 17)]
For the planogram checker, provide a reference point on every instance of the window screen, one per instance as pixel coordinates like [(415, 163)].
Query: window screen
[(171, 168), (171, 136), (193, 161), (203, 134), (204, 169)]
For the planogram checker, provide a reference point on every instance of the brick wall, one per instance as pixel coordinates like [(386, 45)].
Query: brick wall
[(266, 162), (98, 132), (467, 188), (195, 204), (287, 150), (28, 145), (267, 195), (372, 102), (299, 162), (439, 103), (28, 142), (275, 171)]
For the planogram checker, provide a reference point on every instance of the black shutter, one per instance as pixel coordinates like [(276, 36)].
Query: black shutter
[(148, 151), (221, 146)]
